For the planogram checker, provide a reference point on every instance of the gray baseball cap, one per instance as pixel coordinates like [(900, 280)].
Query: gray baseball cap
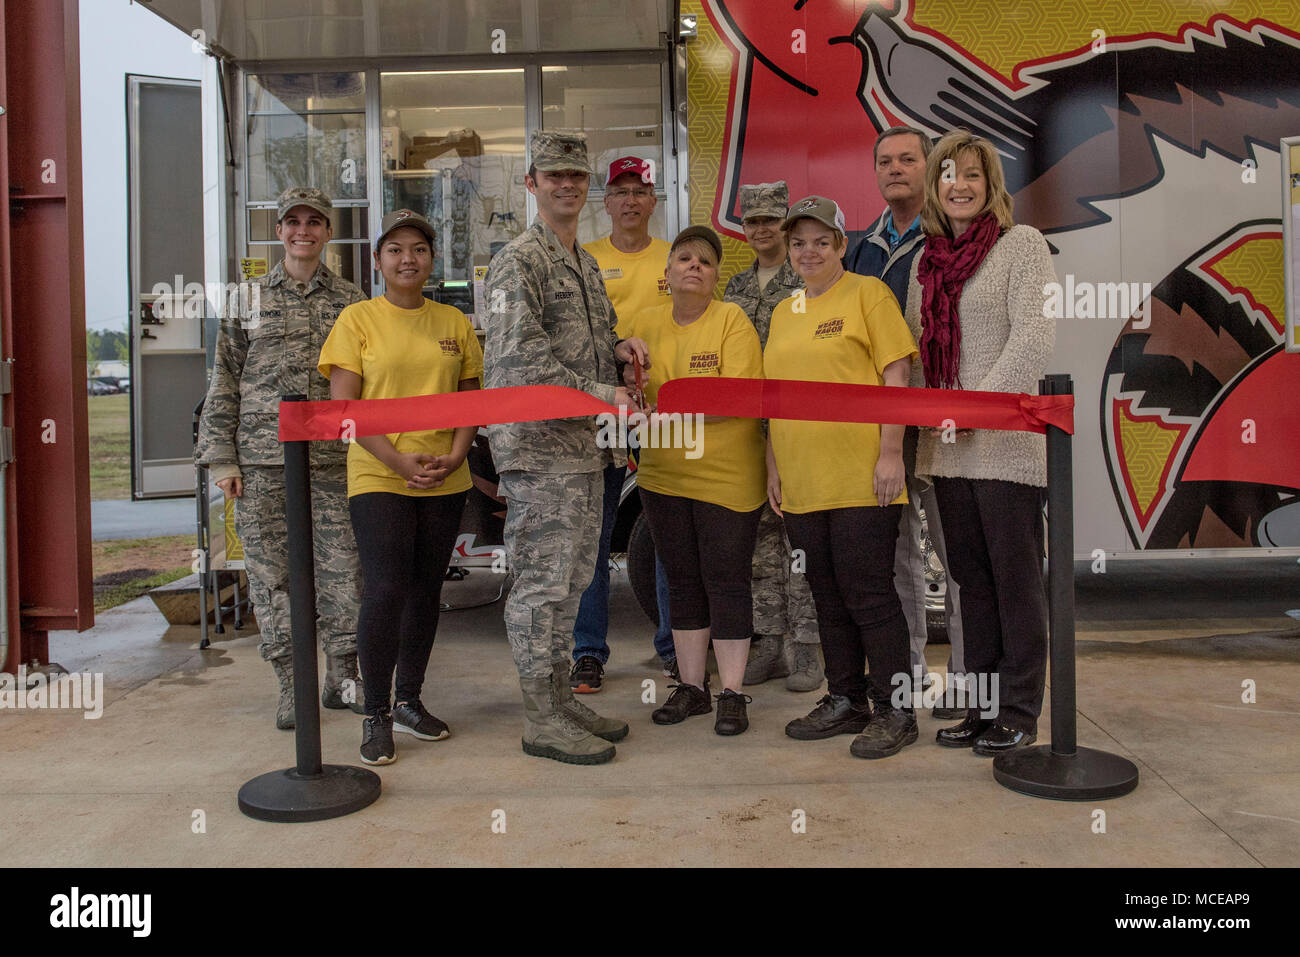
[(699, 232), (825, 211), (555, 152), (764, 199), (405, 217)]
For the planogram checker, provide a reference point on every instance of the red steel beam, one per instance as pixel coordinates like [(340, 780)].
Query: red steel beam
[(41, 259)]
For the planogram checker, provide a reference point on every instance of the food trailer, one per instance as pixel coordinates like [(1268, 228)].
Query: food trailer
[(1145, 142)]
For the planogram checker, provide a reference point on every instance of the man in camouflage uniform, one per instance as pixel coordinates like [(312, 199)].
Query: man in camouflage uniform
[(269, 352), (783, 604), (552, 324)]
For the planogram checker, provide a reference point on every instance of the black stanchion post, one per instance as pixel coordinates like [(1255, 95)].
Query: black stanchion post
[(1063, 770), (311, 791)]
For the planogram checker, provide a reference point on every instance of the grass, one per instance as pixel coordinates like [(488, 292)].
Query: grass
[(127, 568), (110, 446), (110, 596)]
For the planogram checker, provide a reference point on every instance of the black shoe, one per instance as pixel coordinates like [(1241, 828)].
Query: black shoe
[(834, 714), (999, 740), (732, 717), (946, 706), (890, 730), (964, 734), (685, 701), (671, 670), (377, 739), (410, 717), (585, 676)]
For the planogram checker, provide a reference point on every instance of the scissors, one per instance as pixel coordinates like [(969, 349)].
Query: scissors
[(638, 395)]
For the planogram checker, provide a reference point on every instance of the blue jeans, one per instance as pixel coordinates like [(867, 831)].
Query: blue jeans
[(664, 636), (591, 628)]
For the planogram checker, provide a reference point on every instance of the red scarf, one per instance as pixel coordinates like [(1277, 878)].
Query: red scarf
[(945, 266)]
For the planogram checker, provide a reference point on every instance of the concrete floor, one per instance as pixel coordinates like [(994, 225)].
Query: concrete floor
[(183, 729)]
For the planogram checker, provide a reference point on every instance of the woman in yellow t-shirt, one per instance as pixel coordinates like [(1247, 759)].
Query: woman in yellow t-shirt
[(701, 482), (839, 485), (406, 490)]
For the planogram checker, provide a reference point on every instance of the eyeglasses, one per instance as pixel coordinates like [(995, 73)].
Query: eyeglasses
[(643, 193)]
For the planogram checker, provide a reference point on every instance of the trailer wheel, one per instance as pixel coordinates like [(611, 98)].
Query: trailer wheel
[(641, 567)]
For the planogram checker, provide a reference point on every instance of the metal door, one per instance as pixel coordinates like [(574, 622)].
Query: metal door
[(168, 299)]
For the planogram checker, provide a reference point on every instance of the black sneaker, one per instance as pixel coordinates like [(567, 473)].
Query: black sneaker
[(732, 718), (585, 676), (670, 669), (834, 714), (890, 730), (410, 717), (377, 739), (685, 701)]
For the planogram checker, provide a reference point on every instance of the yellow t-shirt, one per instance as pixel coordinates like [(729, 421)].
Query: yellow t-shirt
[(633, 281), (848, 334), (399, 353), (727, 465)]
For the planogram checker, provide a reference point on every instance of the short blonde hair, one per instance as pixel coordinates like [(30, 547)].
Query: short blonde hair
[(701, 247), (954, 147)]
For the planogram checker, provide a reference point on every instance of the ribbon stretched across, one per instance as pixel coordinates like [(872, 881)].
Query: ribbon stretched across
[(752, 398)]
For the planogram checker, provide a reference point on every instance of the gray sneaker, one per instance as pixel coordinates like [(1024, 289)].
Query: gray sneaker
[(377, 739), (806, 673)]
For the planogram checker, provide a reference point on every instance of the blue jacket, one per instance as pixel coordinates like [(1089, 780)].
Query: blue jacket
[(871, 257)]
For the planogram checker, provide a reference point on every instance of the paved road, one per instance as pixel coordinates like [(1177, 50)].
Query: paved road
[(150, 518)]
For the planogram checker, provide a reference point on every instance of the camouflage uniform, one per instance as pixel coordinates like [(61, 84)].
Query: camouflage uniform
[(555, 327), (268, 353), (783, 604), (742, 289)]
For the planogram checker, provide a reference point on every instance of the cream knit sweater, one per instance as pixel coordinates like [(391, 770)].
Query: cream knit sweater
[(1006, 343)]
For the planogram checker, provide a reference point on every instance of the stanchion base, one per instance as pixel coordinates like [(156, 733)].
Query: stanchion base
[(1086, 775), (287, 796)]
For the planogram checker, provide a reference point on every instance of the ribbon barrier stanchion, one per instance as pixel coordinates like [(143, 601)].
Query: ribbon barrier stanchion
[(310, 791), (1062, 770)]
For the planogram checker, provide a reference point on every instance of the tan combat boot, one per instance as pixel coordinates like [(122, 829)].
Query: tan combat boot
[(607, 728), (336, 695), (766, 659), (550, 733), (284, 718), (806, 672)]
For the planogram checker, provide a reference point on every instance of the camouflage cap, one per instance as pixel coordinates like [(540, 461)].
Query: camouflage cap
[(554, 152), (764, 199), (825, 211), (308, 196), (405, 217)]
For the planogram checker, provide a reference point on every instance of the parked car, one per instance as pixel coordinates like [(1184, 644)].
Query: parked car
[(99, 387)]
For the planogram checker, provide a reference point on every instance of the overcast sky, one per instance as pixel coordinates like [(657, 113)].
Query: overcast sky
[(117, 38)]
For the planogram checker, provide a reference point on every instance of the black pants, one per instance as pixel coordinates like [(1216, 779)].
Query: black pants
[(994, 534), (707, 552), (850, 567), (405, 544)]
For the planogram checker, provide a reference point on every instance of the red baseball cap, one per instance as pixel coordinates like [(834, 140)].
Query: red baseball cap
[(630, 164)]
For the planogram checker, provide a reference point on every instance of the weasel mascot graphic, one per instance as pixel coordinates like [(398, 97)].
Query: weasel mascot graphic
[(1147, 155)]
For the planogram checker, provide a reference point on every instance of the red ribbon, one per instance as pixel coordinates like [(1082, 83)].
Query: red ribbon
[(842, 402), (748, 398)]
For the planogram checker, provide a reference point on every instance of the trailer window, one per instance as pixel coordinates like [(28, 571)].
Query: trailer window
[(308, 129), (620, 109)]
